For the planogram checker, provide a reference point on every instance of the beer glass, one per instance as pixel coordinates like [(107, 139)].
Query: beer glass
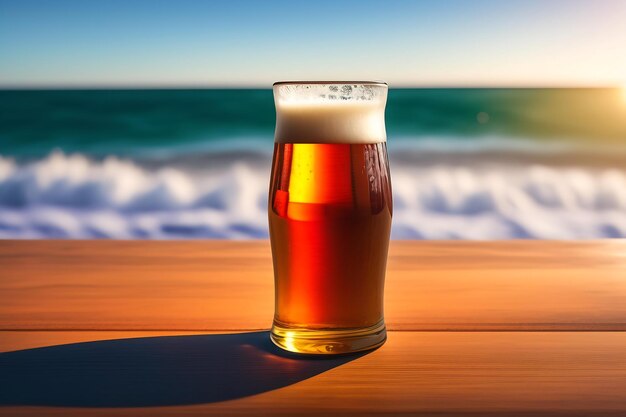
[(330, 216)]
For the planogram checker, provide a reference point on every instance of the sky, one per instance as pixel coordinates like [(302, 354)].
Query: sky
[(70, 43)]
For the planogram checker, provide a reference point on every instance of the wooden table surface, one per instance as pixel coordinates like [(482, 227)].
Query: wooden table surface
[(180, 328)]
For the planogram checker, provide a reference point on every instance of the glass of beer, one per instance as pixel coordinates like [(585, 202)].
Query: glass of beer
[(330, 213)]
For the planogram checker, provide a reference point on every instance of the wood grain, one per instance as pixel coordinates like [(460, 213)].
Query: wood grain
[(414, 373), (221, 286), (478, 329)]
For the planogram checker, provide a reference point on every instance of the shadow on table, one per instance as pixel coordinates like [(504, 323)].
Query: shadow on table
[(154, 371)]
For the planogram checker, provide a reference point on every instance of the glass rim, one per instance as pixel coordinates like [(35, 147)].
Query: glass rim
[(372, 83)]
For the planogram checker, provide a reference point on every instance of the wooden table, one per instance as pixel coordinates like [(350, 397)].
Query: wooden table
[(180, 328)]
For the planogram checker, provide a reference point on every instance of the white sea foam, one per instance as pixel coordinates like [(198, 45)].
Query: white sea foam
[(72, 196)]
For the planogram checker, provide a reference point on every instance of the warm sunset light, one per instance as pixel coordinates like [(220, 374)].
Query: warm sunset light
[(328, 208)]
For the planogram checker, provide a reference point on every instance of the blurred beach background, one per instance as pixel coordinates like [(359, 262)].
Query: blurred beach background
[(154, 120)]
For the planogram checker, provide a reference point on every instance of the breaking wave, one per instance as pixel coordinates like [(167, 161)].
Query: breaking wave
[(72, 196)]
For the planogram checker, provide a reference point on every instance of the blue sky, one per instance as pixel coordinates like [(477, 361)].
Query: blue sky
[(253, 43)]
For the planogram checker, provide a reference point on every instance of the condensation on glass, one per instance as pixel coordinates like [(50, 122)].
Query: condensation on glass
[(330, 214)]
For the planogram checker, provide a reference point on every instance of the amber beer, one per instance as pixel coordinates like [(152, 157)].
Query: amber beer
[(330, 213)]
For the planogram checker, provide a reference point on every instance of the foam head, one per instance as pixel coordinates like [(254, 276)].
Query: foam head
[(330, 112)]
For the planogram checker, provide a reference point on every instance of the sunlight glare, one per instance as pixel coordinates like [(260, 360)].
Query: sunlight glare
[(289, 342)]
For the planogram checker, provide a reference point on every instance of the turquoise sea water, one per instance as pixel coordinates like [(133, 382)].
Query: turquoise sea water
[(466, 163), (132, 122)]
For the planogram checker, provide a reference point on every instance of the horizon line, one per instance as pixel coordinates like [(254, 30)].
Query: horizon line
[(97, 86)]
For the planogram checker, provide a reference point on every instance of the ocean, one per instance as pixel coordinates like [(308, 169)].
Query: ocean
[(180, 164)]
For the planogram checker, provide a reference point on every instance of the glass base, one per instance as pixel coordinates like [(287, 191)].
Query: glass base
[(328, 342)]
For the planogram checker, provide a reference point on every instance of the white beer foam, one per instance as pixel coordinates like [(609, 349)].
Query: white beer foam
[(330, 113)]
